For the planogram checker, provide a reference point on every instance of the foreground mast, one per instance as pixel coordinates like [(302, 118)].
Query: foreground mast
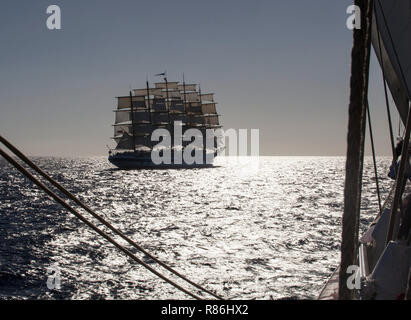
[(355, 144)]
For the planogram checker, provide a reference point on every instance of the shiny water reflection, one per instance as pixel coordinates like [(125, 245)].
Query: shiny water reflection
[(266, 232)]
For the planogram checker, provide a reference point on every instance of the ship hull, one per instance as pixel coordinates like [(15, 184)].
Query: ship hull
[(131, 160)]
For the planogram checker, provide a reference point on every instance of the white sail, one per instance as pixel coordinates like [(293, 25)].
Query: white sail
[(169, 85), (127, 127), (120, 129), (126, 141), (143, 92), (162, 94), (209, 108), (192, 97), (124, 102), (122, 116), (171, 94), (140, 92), (207, 97), (393, 19), (188, 87), (174, 94), (211, 120)]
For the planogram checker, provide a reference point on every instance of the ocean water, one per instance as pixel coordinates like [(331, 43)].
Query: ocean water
[(266, 228)]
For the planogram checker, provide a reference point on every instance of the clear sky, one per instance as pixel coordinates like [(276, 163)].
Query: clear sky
[(281, 66)]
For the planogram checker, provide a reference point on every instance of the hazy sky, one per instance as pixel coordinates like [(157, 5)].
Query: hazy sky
[(281, 66)]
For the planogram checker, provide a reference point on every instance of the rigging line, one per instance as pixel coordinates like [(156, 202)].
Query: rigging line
[(387, 104), (374, 157), (399, 129), (91, 225), (395, 50), (99, 218)]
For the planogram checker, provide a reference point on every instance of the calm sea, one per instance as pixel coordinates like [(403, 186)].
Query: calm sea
[(251, 229)]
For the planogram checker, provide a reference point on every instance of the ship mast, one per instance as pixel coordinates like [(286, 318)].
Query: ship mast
[(184, 90), (204, 119), (199, 94), (133, 121), (167, 97), (148, 104), (168, 111)]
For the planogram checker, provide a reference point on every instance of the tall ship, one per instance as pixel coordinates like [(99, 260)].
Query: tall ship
[(169, 125)]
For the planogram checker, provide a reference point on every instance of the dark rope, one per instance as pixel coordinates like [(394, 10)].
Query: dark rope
[(95, 215), (91, 225), (374, 158)]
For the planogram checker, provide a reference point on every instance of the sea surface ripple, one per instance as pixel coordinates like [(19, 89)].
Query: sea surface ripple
[(266, 228)]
